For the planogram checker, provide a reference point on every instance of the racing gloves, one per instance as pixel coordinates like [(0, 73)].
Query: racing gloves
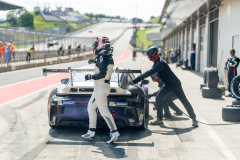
[(150, 96), (88, 77), (136, 80), (90, 61)]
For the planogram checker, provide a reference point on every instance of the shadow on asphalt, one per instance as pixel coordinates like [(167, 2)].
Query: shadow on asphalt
[(116, 150), (175, 118), (222, 99)]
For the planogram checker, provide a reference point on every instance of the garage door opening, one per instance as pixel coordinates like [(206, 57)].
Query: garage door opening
[(213, 48)]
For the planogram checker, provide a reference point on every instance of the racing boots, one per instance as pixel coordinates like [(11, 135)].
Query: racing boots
[(167, 115), (195, 123), (113, 136), (229, 95), (157, 122), (90, 134)]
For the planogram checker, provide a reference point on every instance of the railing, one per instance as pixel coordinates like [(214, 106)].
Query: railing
[(41, 58)]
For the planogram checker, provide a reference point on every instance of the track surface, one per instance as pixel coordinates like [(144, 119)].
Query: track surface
[(109, 29), (25, 134)]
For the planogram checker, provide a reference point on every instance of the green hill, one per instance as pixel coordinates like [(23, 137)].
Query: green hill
[(82, 15), (142, 38), (40, 23), (154, 20)]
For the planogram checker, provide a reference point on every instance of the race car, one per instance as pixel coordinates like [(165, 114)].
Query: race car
[(128, 103)]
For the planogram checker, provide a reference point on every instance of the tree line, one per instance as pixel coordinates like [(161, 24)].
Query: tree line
[(20, 18), (92, 15)]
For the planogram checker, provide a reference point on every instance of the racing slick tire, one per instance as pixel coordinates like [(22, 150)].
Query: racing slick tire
[(212, 77), (231, 113), (178, 65), (205, 76), (211, 92), (202, 85), (236, 102), (184, 67), (144, 124), (55, 127), (235, 86), (147, 110)]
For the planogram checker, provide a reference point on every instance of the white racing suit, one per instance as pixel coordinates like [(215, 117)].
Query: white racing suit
[(102, 76)]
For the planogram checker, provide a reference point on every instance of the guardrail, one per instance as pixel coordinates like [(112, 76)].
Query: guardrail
[(42, 58)]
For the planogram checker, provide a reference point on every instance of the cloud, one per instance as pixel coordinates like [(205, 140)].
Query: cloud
[(125, 8)]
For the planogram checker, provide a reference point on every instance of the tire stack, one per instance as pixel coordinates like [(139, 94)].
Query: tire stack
[(204, 79), (211, 90), (185, 65), (179, 63), (232, 112)]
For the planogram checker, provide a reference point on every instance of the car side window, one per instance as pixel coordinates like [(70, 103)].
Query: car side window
[(130, 77)]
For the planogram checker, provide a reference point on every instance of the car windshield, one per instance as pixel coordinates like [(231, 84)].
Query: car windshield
[(80, 77)]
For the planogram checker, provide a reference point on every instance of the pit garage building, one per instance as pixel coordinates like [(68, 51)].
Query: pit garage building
[(212, 27)]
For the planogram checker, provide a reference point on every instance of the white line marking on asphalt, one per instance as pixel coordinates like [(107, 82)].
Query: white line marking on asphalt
[(29, 94), (217, 140), (34, 78), (27, 80)]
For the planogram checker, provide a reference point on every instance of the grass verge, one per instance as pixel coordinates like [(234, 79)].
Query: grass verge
[(142, 38)]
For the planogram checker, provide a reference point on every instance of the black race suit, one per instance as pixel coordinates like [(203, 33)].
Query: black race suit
[(172, 84), (168, 101), (232, 69)]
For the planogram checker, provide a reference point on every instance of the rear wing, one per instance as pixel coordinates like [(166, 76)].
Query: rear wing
[(70, 70)]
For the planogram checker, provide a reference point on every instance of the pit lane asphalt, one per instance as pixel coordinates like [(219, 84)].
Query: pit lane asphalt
[(25, 134)]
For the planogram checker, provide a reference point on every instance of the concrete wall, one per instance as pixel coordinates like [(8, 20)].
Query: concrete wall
[(229, 26)]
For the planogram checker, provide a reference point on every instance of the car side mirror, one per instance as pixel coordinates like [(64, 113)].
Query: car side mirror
[(64, 81), (145, 82)]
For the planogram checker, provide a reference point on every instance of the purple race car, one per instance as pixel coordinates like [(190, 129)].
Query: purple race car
[(67, 104)]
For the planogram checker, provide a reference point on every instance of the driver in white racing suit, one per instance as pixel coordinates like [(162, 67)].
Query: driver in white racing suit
[(102, 75)]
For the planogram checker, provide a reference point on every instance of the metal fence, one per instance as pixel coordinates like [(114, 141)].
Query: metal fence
[(46, 45)]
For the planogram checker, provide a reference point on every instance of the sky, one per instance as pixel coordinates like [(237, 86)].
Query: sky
[(143, 9)]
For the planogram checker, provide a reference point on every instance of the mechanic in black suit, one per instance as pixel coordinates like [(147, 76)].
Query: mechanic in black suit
[(168, 101), (172, 84)]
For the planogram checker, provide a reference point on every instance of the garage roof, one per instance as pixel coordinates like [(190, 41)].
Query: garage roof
[(166, 4), (8, 6)]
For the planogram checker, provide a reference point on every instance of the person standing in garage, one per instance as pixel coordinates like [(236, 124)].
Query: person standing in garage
[(193, 58), (134, 54), (232, 64)]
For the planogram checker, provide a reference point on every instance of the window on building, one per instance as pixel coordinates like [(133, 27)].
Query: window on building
[(235, 44), (214, 15)]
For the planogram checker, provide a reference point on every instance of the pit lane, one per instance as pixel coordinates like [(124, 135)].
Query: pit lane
[(25, 134)]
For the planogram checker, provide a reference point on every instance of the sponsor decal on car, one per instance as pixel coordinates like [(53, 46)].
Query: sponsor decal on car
[(117, 103), (66, 102)]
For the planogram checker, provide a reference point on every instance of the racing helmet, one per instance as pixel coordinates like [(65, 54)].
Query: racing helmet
[(152, 53), (155, 77), (100, 44)]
